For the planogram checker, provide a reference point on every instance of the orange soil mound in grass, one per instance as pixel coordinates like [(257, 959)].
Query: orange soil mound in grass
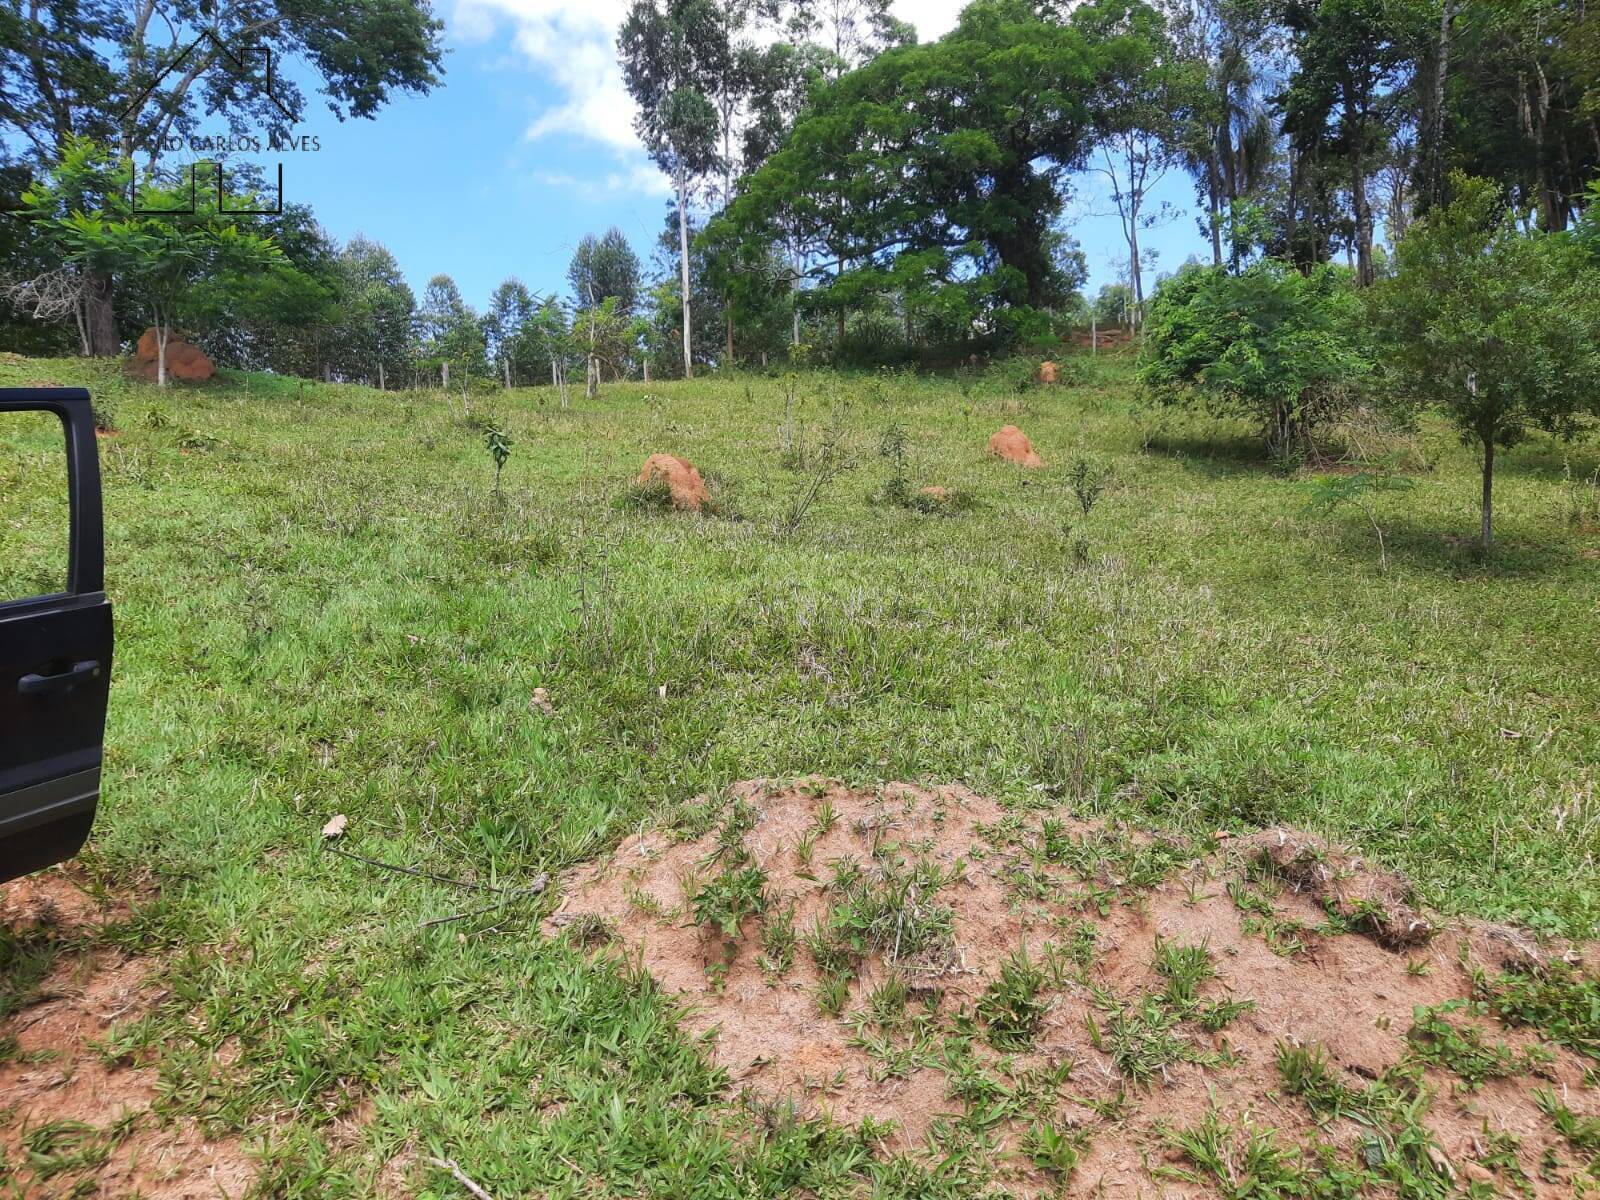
[(1011, 444), (1095, 907), (56, 1076), (1047, 372), (185, 362), (688, 489)]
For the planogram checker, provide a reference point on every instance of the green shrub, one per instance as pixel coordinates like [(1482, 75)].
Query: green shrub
[(1268, 344)]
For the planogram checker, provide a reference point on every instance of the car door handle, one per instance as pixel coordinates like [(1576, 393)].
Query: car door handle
[(52, 685)]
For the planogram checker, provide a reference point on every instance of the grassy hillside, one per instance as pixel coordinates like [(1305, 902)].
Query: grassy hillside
[(324, 607)]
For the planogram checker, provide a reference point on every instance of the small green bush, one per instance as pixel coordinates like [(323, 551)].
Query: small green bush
[(1268, 344)]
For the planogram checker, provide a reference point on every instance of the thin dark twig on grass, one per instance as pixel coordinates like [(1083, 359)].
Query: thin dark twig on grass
[(447, 1164), (537, 887), (534, 889)]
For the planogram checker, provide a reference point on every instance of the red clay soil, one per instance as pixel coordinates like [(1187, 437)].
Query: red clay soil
[(184, 361), (1114, 336), (688, 489), (1011, 444), (1343, 985), (57, 1093), (1047, 372)]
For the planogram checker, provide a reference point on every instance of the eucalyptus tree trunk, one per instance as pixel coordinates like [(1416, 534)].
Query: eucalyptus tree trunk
[(162, 334), (1433, 152), (1359, 200), (683, 269), (1214, 187), (1486, 529)]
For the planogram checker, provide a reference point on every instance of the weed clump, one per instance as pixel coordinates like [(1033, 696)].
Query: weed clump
[(887, 908), (1011, 1007)]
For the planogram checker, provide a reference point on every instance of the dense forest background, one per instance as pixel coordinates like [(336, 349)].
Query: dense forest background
[(842, 193)]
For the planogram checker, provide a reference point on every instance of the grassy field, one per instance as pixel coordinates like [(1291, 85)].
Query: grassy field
[(324, 606)]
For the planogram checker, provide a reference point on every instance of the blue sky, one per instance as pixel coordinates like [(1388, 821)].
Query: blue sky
[(529, 144)]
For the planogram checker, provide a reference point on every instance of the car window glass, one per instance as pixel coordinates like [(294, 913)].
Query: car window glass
[(35, 507)]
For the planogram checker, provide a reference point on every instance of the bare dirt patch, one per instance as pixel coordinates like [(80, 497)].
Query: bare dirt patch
[(76, 1121), (1010, 443), (1064, 1001), (684, 482)]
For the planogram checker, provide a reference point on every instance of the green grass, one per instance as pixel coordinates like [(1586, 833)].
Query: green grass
[(323, 606)]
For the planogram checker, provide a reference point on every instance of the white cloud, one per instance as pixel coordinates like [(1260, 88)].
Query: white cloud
[(573, 46), (572, 43), (933, 18)]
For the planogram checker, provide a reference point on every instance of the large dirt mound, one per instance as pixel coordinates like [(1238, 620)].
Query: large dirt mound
[(1010, 443), (683, 480), (1070, 1001), (184, 361), (77, 1121)]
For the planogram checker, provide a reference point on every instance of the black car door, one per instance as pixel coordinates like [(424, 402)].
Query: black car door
[(55, 668)]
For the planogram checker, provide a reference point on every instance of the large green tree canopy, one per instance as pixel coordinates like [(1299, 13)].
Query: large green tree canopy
[(935, 170)]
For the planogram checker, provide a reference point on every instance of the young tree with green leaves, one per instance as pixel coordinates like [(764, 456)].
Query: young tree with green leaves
[(158, 260), (1495, 326), (1269, 344)]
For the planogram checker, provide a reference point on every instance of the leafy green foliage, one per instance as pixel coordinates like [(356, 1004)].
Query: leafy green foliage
[(158, 260), (1560, 1001), (1268, 344), (888, 908), (499, 447), (1011, 1006), (730, 896), (1496, 327), (928, 173), (1462, 1049)]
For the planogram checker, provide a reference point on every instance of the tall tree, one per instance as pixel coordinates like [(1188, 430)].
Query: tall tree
[(112, 71), (511, 307), (937, 168), (1144, 91), (1352, 58), (379, 311), (850, 32), (670, 58), (605, 267), (1519, 102), (449, 329), (1227, 136)]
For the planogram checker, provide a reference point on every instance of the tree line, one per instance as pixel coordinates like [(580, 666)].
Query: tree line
[(841, 190), (928, 188)]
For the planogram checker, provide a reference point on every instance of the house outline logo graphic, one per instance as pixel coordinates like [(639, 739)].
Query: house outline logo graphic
[(215, 168)]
